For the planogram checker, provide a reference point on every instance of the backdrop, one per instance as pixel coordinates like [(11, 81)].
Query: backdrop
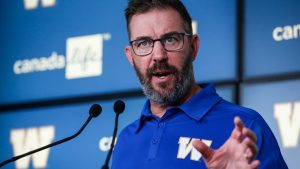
[(57, 58)]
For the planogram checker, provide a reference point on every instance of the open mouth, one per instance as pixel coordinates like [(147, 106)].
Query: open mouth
[(161, 75)]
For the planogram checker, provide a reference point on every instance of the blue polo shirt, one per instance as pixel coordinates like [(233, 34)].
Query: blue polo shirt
[(165, 143)]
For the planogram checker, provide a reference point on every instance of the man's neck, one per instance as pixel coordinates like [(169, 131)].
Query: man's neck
[(159, 110)]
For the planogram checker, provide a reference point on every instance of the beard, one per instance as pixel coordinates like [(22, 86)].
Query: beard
[(168, 94)]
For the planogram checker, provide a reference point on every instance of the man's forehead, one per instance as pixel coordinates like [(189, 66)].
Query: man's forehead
[(155, 23)]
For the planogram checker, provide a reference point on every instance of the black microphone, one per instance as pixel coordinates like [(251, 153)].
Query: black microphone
[(94, 111), (119, 107)]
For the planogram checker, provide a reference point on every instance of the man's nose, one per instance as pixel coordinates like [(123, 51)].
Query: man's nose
[(159, 53)]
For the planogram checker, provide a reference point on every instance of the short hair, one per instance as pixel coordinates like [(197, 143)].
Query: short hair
[(143, 6)]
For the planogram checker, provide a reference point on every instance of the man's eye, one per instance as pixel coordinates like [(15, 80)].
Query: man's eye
[(144, 43), (171, 39)]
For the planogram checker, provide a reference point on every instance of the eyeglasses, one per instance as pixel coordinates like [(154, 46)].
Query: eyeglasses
[(171, 42)]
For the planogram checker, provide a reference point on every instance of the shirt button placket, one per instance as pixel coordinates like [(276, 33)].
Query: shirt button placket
[(156, 140), (161, 124)]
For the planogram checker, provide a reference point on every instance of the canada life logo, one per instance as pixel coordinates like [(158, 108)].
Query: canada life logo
[(83, 58), (287, 32)]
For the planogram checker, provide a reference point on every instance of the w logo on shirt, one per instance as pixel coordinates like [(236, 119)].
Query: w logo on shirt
[(185, 148)]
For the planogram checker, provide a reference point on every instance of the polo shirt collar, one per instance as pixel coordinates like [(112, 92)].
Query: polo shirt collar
[(196, 107), (201, 103), (146, 113)]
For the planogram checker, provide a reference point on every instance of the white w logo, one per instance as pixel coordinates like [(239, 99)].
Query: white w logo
[(288, 118), (186, 147), (33, 4), (24, 140)]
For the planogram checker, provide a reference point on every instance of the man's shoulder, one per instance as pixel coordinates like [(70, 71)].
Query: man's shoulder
[(247, 114)]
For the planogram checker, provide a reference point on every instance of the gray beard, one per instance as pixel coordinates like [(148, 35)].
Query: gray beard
[(183, 82)]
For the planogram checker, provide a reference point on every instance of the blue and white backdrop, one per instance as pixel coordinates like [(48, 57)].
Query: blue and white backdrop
[(59, 57)]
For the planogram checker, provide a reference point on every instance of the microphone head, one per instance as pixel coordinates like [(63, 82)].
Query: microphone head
[(119, 106), (95, 110)]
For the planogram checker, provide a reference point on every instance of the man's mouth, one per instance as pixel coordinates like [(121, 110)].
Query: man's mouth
[(161, 74)]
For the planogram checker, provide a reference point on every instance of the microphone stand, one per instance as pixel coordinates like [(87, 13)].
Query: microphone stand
[(119, 107), (105, 166)]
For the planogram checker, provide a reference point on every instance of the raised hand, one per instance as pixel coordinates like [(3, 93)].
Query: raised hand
[(237, 152)]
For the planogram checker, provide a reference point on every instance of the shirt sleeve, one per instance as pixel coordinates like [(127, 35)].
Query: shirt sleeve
[(269, 153)]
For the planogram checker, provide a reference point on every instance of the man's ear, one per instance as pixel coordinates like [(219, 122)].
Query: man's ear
[(195, 46), (128, 54)]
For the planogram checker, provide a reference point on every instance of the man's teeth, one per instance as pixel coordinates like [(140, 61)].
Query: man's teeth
[(161, 76)]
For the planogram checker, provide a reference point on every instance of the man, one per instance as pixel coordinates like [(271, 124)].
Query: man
[(180, 118)]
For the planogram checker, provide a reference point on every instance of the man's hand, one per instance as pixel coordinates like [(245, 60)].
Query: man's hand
[(237, 152)]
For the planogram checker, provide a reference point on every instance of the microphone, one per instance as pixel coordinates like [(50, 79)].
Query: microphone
[(119, 107), (94, 111)]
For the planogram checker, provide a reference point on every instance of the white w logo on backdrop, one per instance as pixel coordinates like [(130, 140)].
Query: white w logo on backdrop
[(33, 4), (25, 140), (288, 118)]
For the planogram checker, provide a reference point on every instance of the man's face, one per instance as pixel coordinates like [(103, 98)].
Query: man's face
[(165, 76)]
